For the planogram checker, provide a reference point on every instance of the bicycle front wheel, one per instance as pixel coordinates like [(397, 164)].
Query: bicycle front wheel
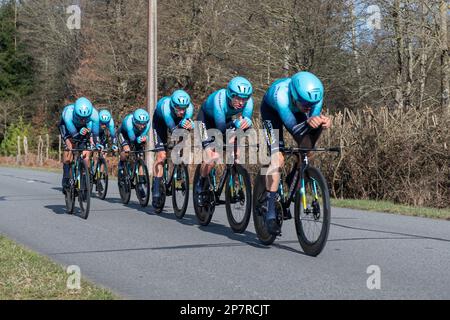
[(238, 199), (84, 194), (180, 190), (313, 212)]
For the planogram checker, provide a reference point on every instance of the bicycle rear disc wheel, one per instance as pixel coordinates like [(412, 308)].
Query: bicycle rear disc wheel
[(124, 184), (70, 198), (203, 214), (312, 222), (238, 199), (180, 190), (102, 179), (143, 199), (84, 194), (260, 210)]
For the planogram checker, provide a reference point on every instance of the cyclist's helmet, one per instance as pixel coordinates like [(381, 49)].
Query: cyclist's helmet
[(180, 99), (83, 108), (140, 116), (239, 87), (306, 88), (105, 116)]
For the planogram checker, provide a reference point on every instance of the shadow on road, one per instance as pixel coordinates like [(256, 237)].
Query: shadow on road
[(57, 208)]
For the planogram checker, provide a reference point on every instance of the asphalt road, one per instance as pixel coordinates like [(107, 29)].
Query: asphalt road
[(141, 255)]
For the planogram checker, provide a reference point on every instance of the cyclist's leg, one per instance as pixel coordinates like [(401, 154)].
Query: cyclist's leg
[(309, 140), (160, 136), (273, 126), (210, 155), (67, 155), (125, 145)]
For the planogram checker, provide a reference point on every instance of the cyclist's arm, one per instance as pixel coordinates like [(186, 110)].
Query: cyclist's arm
[(219, 114), (170, 123), (95, 126), (189, 112), (316, 110), (247, 113), (68, 121), (297, 130), (112, 132), (146, 130), (129, 129)]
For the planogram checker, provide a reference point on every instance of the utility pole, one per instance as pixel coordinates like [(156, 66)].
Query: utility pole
[(152, 81)]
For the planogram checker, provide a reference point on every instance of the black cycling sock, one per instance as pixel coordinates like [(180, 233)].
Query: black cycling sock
[(66, 170), (271, 203), (156, 182), (202, 181)]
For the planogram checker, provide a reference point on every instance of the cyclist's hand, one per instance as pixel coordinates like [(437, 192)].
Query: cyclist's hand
[(114, 148), (187, 124), (326, 122), (141, 139), (315, 122), (99, 146), (245, 124), (84, 131)]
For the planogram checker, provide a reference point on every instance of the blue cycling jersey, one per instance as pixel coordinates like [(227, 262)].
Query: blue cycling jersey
[(164, 111), (280, 99), (109, 127), (132, 132), (217, 106), (73, 124)]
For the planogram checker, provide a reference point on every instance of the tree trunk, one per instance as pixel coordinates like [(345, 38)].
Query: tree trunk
[(423, 55), (400, 49), (445, 66), (355, 50)]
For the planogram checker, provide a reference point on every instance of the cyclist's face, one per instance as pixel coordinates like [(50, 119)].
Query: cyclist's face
[(103, 126), (238, 102), (140, 126), (82, 121), (303, 107), (179, 113)]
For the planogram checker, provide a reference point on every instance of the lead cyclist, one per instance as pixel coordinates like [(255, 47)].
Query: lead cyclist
[(295, 104)]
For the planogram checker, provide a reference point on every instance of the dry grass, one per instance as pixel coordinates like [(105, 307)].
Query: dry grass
[(26, 275), (398, 155)]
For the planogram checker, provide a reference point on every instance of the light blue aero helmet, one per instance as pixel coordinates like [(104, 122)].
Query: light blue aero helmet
[(306, 88), (180, 99), (104, 116), (83, 108), (140, 116), (239, 87)]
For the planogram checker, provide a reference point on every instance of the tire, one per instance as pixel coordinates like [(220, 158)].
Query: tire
[(124, 184), (259, 211), (70, 198), (84, 192), (180, 185), (320, 209), (103, 178), (162, 199), (239, 224), (203, 214), (143, 201)]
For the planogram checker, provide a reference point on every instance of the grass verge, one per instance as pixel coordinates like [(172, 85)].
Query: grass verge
[(26, 275), (389, 207)]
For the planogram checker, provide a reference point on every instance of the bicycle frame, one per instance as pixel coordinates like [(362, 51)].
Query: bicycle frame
[(295, 186)]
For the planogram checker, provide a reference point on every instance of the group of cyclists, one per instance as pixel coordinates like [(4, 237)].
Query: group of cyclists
[(293, 103)]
